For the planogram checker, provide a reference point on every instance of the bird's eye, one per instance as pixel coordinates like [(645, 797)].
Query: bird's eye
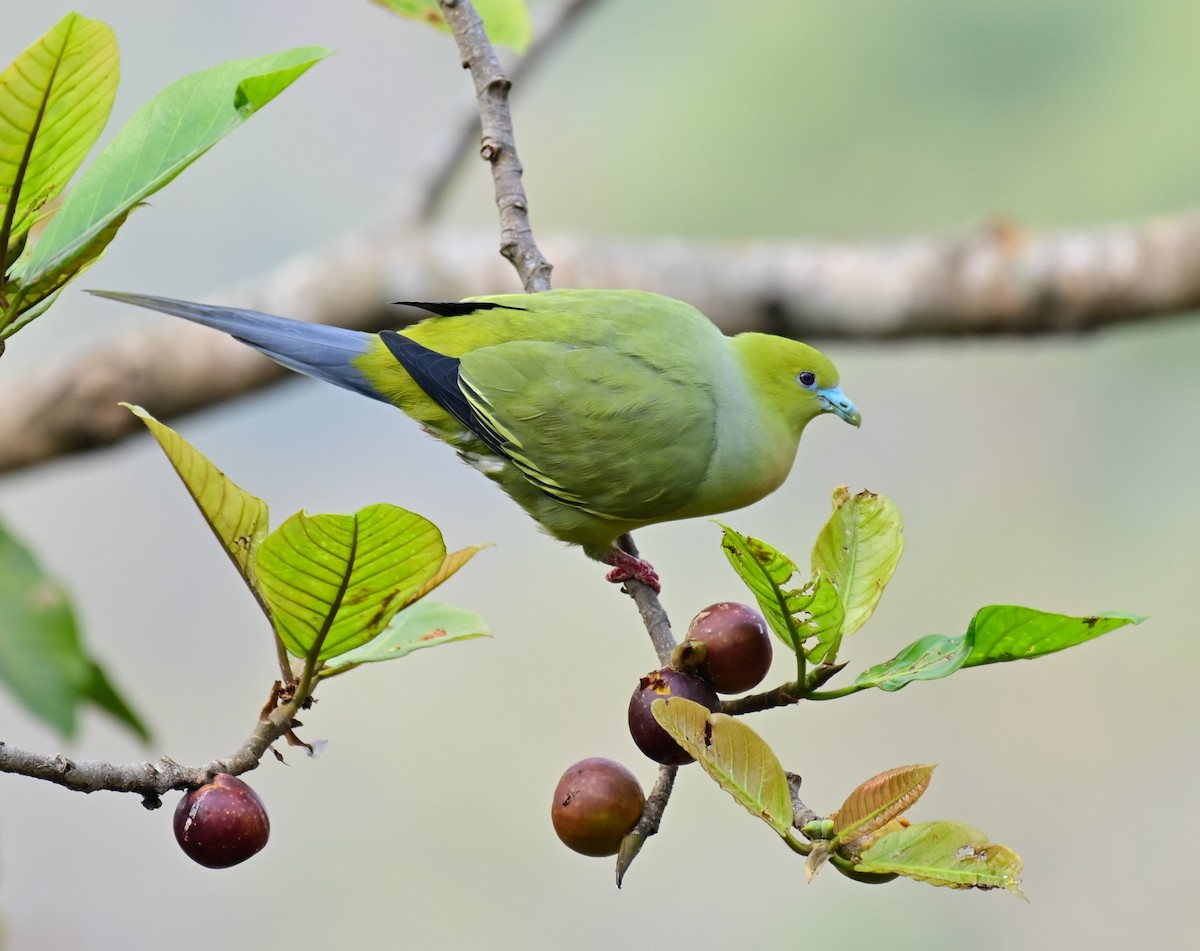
[(807, 379)]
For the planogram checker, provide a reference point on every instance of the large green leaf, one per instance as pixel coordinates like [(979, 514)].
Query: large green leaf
[(423, 624), (858, 550), (506, 21), (42, 661), (333, 582), (734, 755), (944, 853), (237, 518), (999, 632), (165, 136), (54, 100), (1003, 632)]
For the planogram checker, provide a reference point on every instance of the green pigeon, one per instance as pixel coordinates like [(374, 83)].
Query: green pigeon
[(598, 411)]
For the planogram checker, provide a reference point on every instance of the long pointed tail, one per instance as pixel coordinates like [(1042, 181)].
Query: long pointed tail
[(327, 353)]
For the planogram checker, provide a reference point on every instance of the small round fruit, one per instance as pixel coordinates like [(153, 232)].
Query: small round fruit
[(595, 803), (651, 738), (737, 646), (222, 823)]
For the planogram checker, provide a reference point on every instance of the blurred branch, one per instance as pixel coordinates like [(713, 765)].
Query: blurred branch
[(498, 145), (996, 280)]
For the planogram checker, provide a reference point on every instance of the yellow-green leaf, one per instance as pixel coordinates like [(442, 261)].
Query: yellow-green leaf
[(333, 582), (54, 101), (454, 561), (945, 853), (734, 755), (237, 518), (858, 550)]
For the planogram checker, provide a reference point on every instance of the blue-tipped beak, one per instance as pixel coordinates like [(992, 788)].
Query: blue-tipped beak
[(835, 401)]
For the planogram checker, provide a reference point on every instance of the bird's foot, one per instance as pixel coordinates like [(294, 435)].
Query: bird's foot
[(627, 567)]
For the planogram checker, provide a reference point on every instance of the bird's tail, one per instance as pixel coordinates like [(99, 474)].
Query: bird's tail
[(327, 353)]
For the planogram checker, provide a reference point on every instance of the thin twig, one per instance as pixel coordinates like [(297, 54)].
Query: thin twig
[(549, 30), (498, 145), (649, 822), (150, 780)]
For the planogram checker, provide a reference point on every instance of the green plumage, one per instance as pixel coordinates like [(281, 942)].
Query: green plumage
[(599, 412), (615, 409)]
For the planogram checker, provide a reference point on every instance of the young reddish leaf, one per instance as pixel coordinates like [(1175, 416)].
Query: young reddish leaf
[(879, 800)]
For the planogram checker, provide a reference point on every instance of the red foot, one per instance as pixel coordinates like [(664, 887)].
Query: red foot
[(627, 567)]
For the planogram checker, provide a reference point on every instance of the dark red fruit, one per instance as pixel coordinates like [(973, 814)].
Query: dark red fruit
[(651, 738), (222, 823), (737, 646), (595, 803)]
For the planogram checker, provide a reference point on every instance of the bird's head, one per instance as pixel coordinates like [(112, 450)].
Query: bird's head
[(796, 380)]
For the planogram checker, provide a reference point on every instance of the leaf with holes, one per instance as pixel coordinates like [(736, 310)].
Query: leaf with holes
[(944, 853)]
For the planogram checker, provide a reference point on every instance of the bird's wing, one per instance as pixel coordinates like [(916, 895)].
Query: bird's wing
[(598, 429)]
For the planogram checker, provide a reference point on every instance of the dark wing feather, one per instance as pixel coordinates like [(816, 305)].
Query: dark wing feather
[(438, 375)]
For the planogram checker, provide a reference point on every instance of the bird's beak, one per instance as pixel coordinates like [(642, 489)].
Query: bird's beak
[(835, 401)]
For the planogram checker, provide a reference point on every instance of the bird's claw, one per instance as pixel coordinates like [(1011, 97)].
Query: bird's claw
[(627, 567)]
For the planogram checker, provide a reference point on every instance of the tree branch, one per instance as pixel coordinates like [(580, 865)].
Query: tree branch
[(150, 780), (498, 145), (992, 281), (549, 30)]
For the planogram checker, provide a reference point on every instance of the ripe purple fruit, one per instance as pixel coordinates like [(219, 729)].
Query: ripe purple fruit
[(737, 646), (221, 823), (595, 803), (651, 738)]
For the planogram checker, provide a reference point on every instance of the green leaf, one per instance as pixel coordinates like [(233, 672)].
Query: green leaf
[(47, 287), (997, 633), (734, 755), (944, 853), (54, 101), (100, 690), (765, 571), (1004, 632), (878, 801), (820, 614), (506, 21), (423, 624), (165, 136), (858, 550), (930, 658), (237, 518), (42, 660), (333, 582)]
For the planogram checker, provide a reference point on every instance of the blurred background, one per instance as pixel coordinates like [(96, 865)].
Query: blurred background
[(1059, 473)]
